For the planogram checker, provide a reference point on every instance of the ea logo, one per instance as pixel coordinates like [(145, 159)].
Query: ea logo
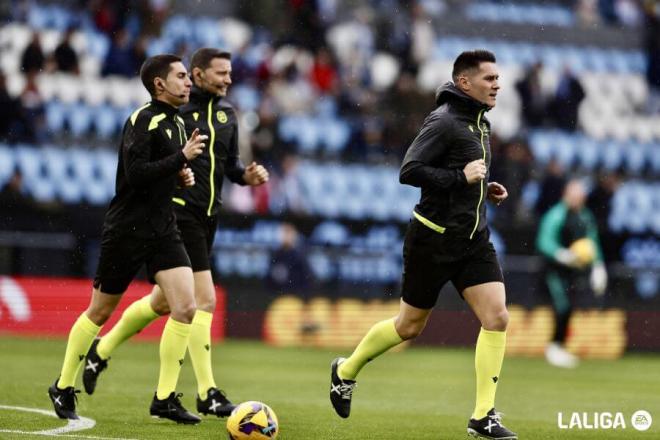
[(222, 116), (641, 420)]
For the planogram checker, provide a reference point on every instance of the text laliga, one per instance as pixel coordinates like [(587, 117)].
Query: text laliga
[(604, 420)]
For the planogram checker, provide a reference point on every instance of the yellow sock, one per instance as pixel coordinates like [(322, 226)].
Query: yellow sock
[(173, 345), (488, 358), (136, 317), (81, 336), (199, 347), (380, 338)]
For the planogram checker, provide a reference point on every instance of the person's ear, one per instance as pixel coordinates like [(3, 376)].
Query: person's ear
[(197, 74), (464, 83), (159, 84)]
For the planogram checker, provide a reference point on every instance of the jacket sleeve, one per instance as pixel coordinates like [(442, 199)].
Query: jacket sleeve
[(137, 145), (548, 240), (234, 168), (429, 145)]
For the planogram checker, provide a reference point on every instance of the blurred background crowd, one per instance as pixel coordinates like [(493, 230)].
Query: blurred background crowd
[(330, 94)]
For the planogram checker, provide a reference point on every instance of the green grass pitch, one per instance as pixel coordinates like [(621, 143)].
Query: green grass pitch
[(420, 393)]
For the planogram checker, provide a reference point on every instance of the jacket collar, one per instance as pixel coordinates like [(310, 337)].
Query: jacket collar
[(164, 107), (198, 94), (449, 93)]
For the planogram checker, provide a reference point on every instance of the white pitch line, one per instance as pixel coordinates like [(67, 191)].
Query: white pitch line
[(72, 425)]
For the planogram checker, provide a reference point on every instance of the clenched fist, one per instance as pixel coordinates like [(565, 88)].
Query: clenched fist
[(475, 171)]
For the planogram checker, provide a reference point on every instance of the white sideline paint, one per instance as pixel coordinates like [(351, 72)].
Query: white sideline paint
[(72, 425)]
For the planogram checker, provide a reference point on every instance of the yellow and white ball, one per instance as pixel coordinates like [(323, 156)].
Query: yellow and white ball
[(252, 421)]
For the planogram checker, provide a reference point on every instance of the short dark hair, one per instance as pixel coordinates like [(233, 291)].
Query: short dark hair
[(470, 59), (157, 66), (202, 57)]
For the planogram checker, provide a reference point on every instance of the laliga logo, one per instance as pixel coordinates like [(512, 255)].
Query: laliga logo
[(641, 420), (14, 299)]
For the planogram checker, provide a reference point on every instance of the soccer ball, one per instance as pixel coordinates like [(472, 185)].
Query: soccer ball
[(585, 251), (252, 421)]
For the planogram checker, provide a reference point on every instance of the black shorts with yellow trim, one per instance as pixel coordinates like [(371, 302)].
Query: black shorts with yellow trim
[(122, 256), (431, 259), (198, 232)]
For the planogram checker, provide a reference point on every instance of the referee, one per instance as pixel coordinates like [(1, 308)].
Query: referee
[(448, 239), (140, 229), (197, 218)]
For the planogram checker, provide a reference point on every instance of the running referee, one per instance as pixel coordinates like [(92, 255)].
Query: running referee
[(140, 229)]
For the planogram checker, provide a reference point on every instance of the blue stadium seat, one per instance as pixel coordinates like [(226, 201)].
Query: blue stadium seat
[(634, 157), (55, 116), (6, 164), (565, 150), (611, 155), (288, 127), (107, 160), (321, 266), (33, 169), (105, 121), (336, 134), (38, 17), (206, 33), (325, 106), (178, 27), (307, 134), (68, 189), (98, 44), (330, 233), (246, 97), (79, 119), (587, 151)]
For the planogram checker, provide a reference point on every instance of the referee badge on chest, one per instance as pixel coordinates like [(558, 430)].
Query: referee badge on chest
[(222, 116)]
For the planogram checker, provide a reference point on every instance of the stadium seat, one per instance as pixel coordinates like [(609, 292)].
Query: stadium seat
[(330, 233), (611, 155), (6, 163), (79, 119), (245, 97), (34, 173), (307, 134), (587, 151), (93, 90), (68, 87), (336, 133), (105, 121), (55, 116)]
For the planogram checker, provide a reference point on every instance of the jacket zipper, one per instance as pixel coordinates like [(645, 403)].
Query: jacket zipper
[(212, 155), (481, 184)]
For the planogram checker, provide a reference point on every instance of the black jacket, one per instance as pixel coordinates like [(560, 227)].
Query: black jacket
[(215, 118), (452, 135), (150, 157)]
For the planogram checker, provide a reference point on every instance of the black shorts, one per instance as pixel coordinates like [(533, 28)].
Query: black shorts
[(431, 259), (122, 257), (197, 231)]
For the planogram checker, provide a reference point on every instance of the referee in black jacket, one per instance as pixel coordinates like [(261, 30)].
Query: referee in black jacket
[(448, 238), (197, 218), (140, 229)]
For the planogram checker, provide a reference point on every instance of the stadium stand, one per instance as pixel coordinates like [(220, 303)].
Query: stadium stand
[(337, 176)]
